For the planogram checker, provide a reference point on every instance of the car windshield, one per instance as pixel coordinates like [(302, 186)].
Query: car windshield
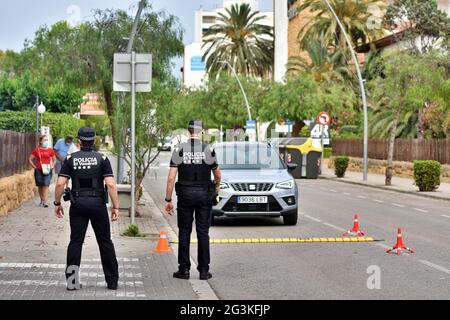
[(248, 157)]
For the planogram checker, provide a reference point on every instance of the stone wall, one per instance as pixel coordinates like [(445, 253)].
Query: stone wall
[(401, 168), (15, 190)]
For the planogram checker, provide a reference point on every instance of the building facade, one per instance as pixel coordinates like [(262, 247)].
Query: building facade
[(389, 42)]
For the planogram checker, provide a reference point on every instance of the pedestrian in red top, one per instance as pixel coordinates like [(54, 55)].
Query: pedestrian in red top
[(43, 159)]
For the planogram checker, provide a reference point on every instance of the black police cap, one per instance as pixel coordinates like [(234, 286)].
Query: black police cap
[(195, 125), (86, 134)]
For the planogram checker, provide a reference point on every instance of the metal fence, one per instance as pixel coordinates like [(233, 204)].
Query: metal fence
[(14, 151), (404, 149)]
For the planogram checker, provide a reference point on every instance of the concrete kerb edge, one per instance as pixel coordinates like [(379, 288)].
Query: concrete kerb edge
[(202, 289), (429, 196)]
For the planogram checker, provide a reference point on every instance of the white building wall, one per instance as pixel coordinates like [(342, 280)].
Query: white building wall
[(194, 69), (281, 39)]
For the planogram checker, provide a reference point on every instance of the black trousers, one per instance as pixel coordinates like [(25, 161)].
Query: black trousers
[(200, 203), (93, 210)]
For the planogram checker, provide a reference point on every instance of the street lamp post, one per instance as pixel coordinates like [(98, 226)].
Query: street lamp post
[(40, 110), (242, 89), (362, 88), (251, 137)]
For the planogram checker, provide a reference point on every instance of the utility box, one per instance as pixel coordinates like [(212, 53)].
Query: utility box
[(124, 191)]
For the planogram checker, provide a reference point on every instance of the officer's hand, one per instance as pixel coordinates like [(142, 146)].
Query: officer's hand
[(114, 215), (59, 212), (169, 208)]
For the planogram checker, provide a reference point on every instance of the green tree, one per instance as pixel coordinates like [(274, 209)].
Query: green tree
[(421, 21), (323, 64), (82, 57), (153, 119), (356, 16), (297, 100), (240, 39), (405, 86)]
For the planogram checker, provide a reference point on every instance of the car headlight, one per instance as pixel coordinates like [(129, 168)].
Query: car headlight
[(286, 184), (224, 185)]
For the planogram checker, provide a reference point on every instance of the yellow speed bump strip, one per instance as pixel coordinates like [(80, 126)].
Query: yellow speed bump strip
[(282, 240)]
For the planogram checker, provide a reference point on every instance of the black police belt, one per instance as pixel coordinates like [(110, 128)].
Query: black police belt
[(186, 187), (88, 193)]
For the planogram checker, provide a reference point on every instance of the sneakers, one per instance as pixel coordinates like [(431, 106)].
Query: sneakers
[(182, 274), (43, 204)]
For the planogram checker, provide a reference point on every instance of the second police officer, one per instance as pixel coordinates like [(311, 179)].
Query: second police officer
[(193, 162), (89, 171)]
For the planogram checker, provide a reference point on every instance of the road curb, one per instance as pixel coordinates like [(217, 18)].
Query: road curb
[(202, 289), (429, 196)]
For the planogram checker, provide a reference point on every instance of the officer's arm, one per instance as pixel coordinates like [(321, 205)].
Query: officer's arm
[(217, 178), (171, 182), (112, 190), (59, 188)]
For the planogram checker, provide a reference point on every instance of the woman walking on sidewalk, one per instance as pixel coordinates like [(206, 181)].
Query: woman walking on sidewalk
[(43, 159)]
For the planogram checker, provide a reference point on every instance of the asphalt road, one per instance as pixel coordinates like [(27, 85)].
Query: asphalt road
[(331, 270)]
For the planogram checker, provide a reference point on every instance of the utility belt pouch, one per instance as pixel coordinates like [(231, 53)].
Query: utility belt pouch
[(68, 196), (177, 188)]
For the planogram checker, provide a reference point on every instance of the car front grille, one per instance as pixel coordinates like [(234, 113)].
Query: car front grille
[(253, 187), (271, 206)]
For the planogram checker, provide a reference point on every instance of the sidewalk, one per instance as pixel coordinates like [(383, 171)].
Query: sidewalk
[(33, 247), (404, 185)]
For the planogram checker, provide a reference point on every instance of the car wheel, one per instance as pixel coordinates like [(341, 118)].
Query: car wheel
[(291, 220)]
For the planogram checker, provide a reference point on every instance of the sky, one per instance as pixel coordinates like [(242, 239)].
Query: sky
[(19, 19)]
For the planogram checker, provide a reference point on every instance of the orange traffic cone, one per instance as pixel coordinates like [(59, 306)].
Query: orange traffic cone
[(400, 245), (163, 243), (355, 231)]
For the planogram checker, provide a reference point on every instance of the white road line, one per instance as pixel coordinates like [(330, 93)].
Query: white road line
[(398, 205), (383, 245), (435, 266), (332, 190), (362, 197), (421, 210), (443, 215), (334, 227), (312, 218), (379, 201), (347, 193)]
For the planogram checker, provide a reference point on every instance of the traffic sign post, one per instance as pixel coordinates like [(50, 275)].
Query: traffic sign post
[(133, 73), (324, 119), (250, 130)]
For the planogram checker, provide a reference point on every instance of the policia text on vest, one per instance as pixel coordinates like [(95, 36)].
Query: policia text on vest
[(89, 171)]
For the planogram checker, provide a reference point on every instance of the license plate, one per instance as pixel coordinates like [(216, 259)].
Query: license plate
[(246, 199)]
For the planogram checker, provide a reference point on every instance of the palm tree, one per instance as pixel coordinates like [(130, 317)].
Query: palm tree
[(324, 65), (355, 15), (240, 39)]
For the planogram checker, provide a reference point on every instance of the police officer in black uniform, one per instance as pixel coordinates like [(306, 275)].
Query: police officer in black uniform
[(89, 171), (193, 162)]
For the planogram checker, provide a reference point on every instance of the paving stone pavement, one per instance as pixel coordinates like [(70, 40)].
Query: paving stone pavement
[(33, 247)]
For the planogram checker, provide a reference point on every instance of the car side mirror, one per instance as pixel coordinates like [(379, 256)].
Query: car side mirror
[(291, 166)]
